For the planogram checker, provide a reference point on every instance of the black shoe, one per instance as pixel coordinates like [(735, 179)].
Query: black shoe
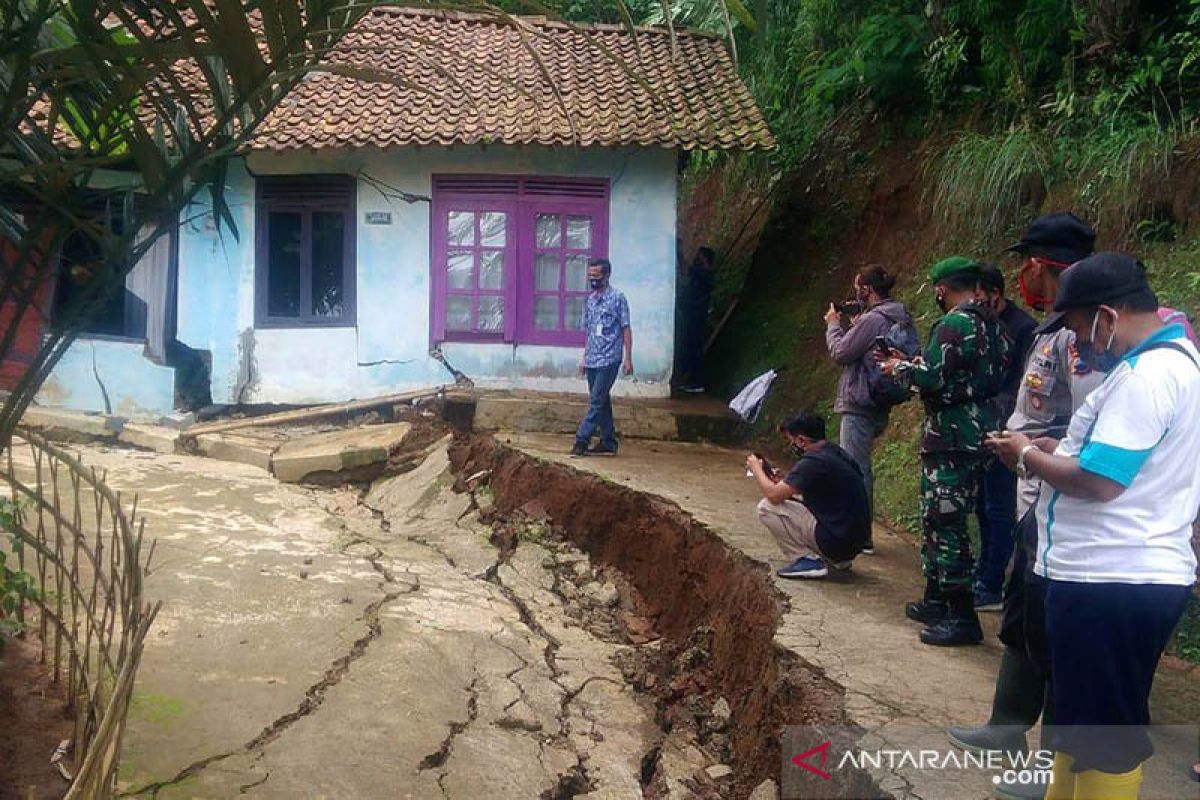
[(1008, 739), (931, 607), (959, 626), (578, 450), (952, 631), (868, 549), (927, 611), (601, 450)]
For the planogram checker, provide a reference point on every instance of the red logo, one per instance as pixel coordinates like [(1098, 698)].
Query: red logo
[(823, 750)]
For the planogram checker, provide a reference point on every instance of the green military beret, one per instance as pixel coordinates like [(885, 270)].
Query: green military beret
[(954, 265)]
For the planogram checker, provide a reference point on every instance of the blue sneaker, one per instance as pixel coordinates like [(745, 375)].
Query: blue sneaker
[(988, 601), (804, 567)]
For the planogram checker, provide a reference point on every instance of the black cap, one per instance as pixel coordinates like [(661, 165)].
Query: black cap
[(1061, 236), (1102, 279)]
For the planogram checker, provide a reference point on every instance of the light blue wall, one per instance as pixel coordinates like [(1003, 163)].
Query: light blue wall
[(136, 386), (388, 350)]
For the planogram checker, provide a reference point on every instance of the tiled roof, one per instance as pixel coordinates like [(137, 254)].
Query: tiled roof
[(471, 79)]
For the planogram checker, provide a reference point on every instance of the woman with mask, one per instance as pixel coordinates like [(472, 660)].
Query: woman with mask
[(1115, 515)]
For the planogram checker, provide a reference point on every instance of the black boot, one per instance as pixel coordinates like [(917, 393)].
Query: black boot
[(959, 626), (930, 608)]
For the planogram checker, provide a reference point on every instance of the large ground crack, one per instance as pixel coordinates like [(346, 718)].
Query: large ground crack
[(438, 758)]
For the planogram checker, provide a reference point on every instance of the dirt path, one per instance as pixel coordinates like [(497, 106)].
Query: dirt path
[(852, 627)]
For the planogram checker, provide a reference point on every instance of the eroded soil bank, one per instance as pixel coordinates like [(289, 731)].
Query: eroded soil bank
[(715, 609)]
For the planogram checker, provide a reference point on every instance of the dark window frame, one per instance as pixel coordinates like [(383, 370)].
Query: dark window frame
[(263, 207)]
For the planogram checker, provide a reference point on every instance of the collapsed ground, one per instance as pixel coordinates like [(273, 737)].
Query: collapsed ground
[(480, 622)]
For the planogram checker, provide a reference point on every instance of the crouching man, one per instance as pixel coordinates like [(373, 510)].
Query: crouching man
[(819, 513)]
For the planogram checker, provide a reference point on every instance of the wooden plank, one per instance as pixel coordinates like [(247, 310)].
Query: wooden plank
[(315, 412)]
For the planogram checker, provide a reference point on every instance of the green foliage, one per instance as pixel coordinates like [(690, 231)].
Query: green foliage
[(986, 181), (1187, 635), (16, 586)]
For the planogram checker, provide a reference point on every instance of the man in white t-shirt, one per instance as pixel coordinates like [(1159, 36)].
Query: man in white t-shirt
[(1115, 521)]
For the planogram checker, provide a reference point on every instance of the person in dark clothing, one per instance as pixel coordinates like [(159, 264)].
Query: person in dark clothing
[(697, 299), (818, 513), (996, 509)]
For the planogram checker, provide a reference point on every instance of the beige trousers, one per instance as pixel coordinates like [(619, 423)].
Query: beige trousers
[(793, 526)]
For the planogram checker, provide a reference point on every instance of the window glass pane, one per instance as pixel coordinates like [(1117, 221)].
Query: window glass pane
[(458, 313), (545, 313), (283, 264), (491, 269), (328, 256), (574, 313), (493, 228), (462, 228), (546, 272), (579, 233), (549, 230), (458, 270), (577, 273), (491, 313)]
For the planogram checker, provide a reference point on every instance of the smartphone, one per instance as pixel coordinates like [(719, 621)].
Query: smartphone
[(766, 465), (881, 344)]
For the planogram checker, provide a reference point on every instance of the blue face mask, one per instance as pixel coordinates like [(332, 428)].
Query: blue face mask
[(1101, 362), (597, 283)]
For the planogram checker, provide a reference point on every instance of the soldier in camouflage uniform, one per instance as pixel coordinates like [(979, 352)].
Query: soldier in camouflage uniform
[(958, 378)]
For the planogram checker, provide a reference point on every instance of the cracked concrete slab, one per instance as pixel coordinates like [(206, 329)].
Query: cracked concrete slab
[(336, 451), (312, 645)]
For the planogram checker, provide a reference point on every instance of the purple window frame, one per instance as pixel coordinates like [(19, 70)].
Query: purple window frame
[(305, 207), (519, 289)]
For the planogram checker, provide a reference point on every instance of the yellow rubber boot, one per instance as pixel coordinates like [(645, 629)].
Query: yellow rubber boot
[(1096, 785), (1062, 780)]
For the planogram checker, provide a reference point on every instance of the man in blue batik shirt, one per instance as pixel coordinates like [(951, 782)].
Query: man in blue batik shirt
[(606, 320)]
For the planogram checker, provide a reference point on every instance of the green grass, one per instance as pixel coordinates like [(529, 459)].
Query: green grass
[(1187, 636)]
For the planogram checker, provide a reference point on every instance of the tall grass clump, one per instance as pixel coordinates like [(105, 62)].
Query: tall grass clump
[(985, 181), (1118, 174)]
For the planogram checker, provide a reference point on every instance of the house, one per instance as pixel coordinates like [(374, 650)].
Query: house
[(449, 211)]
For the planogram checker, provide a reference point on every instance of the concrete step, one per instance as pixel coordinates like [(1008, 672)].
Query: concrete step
[(690, 420)]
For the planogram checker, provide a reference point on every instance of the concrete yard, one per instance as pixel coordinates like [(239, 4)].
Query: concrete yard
[(386, 641)]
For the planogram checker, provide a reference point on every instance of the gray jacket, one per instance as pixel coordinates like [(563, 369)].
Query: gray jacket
[(852, 348)]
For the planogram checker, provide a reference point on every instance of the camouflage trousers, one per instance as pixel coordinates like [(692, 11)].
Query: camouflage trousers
[(949, 488)]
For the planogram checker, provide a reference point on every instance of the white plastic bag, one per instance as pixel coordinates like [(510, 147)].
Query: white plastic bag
[(749, 401)]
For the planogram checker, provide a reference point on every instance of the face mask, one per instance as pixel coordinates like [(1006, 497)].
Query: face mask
[(1033, 300), (940, 299), (797, 450), (1101, 362), (597, 283)]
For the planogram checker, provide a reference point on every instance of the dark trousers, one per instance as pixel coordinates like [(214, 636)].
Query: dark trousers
[(1023, 685), (691, 357), (996, 511), (599, 415), (1105, 641)]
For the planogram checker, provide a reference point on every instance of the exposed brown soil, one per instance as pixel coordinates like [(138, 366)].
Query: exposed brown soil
[(715, 609), (32, 723)]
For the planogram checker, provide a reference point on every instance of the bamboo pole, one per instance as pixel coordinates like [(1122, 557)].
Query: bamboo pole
[(315, 412)]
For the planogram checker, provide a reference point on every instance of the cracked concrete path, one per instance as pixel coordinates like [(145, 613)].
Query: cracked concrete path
[(853, 626), (313, 643)]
